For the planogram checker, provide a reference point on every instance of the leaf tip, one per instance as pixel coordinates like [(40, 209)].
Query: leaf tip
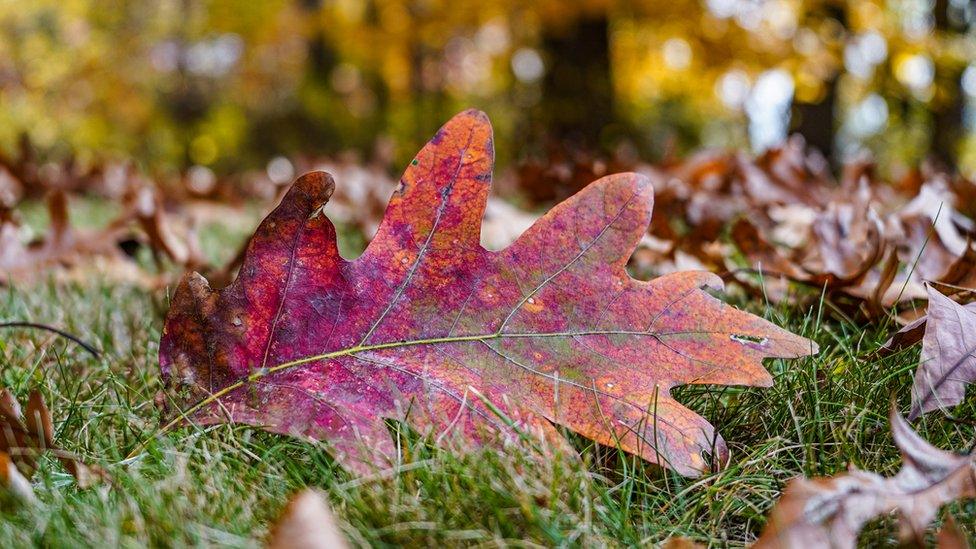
[(473, 121), (475, 114), (317, 185)]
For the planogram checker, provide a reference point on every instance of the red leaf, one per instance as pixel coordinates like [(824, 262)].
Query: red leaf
[(429, 327)]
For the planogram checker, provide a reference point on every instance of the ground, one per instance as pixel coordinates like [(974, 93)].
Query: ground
[(225, 485)]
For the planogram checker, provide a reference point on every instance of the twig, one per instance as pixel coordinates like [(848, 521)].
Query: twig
[(86, 346)]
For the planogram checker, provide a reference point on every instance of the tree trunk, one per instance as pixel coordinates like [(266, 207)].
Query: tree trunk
[(577, 91), (947, 122), (815, 121), (947, 111)]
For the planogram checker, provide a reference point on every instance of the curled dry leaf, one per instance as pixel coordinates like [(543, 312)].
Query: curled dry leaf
[(13, 480), (762, 254), (62, 244), (908, 335), (66, 245), (827, 235), (848, 241), (680, 542), (28, 434), (429, 327), (950, 536), (306, 523), (948, 361), (145, 206), (765, 260), (830, 512)]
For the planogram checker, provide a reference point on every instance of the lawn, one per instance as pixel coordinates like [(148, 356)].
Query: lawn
[(225, 485)]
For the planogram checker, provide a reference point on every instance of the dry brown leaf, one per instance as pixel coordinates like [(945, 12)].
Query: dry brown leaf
[(830, 512), (848, 240), (765, 260), (681, 542), (762, 254), (14, 481), (948, 362), (935, 202), (306, 523), (29, 433), (950, 536), (61, 245), (64, 245), (144, 204), (907, 336)]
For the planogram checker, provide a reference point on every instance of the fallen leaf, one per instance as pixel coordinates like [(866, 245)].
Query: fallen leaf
[(97, 250), (762, 254), (935, 203), (911, 333), (144, 205), (908, 335), (14, 481), (28, 434), (848, 240), (948, 362), (306, 523), (793, 224), (61, 245), (430, 328), (830, 512), (950, 536), (680, 542), (765, 260)]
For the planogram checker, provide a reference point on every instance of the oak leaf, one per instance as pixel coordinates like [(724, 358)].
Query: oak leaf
[(429, 327), (948, 361), (830, 512)]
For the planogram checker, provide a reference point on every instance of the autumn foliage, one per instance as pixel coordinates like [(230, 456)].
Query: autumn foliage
[(547, 331), (429, 327)]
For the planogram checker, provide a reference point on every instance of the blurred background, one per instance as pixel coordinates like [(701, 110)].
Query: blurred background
[(198, 89)]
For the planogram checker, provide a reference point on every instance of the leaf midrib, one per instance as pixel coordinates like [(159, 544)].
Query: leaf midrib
[(349, 351)]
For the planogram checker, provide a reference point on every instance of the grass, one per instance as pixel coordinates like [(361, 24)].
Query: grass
[(225, 485)]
